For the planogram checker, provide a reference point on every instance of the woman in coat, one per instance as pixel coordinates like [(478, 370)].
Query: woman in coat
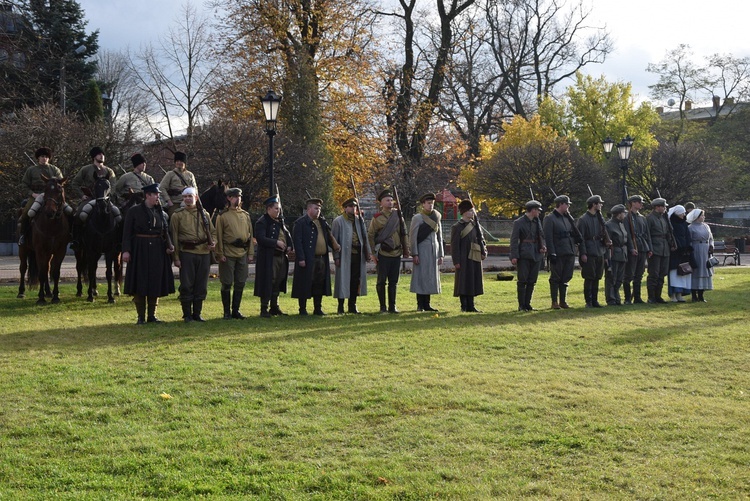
[(702, 241), (679, 284)]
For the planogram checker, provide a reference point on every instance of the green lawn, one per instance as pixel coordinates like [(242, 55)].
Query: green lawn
[(640, 402)]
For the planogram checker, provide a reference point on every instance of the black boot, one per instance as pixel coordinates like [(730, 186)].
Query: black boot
[(392, 299), (700, 297), (275, 310), (694, 296), (236, 301), (637, 293), (521, 296), (628, 295), (302, 306), (529, 294), (187, 314), (380, 288), (420, 302), (153, 303), (657, 294), (340, 310), (470, 305), (140, 308), (197, 309), (563, 297), (264, 309), (318, 306), (225, 302), (427, 305), (353, 305), (587, 292), (594, 294), (464, 302)]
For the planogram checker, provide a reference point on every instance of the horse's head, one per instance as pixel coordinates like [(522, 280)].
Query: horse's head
[(215, 197), (101, 188), (54, 196)]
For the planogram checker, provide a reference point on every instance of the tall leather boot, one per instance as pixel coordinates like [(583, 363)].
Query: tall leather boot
[(275, 310), (392, 299), (527, 299), (553, 288), (225, 302), (420, 302), (340, 310), (650, 292), (236, 301), (187, 313), (657, 294), (140, 308), (637, 293), (521, 296), (628, 294), (426, 303), (694, 295), (21, 229), (564, 296), (587, 292), (353, 305), (153, 304), (700, 297), (318, 306), (380, 288), (594, 294), (470, 305), (197, 309), (464, 302), (302, 302), (264, 308)]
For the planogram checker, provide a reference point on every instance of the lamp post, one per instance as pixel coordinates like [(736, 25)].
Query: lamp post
[(271, 104), (63, 89), (623, 151)]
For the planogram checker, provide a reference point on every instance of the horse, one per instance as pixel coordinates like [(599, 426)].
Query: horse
[(102, 235), (28, 263), (50, 235), (214, 199)]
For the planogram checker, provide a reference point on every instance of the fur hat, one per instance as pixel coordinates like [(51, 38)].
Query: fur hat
[(137, 160), (43, 151)]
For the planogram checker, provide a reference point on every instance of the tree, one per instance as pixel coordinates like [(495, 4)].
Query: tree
[(93, 106)]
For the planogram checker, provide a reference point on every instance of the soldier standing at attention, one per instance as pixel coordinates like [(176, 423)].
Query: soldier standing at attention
[(146, 246), (593, 251), (272, 265), (637, 228), (234, 250), (622, 245), (312, 276), (388, 246), (662, 242), (174, 183), (134, 180), (351, 259), (562, 238), (426, 234), (192, 255), (468, 250), (526, 252), (34, 185)]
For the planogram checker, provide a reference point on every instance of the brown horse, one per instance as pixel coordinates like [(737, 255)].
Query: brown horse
[(28, 263), (50, 237)]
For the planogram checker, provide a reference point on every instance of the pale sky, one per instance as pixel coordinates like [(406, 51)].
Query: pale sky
[(643, 30)]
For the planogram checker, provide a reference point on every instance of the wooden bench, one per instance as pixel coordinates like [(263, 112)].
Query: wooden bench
[(723, 250)]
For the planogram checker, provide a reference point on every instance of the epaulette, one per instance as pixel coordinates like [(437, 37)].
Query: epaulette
[(377, 214), (222, 211)]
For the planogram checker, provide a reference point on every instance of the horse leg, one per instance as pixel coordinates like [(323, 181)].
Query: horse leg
[(117, 263), (43, 277), (22, 269), (55, 274), (91, 269), (110, 275), (80, 267)]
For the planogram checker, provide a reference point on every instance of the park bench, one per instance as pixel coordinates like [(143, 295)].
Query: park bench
[(723, 250)]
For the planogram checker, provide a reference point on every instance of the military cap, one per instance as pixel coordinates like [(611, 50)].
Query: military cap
[(137, 160), (465, 205), (350, 202), (617, 209), (562, 199), (96, 151), (180, 157), (594, 199), (425, 197), (271, 200), (689, 206), (314, 201), (533, 204), (658, 202), (635, 198), (385, 193), (152, 188), (43, 151), (234, 192)]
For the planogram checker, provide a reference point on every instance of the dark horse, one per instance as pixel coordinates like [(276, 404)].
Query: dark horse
[(102, 235), (50, 235), (28, 262), (214, 199)]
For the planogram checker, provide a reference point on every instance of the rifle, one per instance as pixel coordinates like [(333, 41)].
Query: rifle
[(162, 168), (30, 159), (281, 207), (401, 224), (361, 219), (480, 235), (630, 220), (578, 237), (604, 234), (672, 242), (539, 230), (204, 220)]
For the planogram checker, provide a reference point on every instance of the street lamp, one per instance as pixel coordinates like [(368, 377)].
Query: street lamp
[(63, 89), (623, 151), (271, 104)]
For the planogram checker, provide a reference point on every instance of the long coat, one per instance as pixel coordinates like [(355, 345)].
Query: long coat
[(526, 239), (267, 232), (342, 230), (149, 271), (560, 235), (622, 243), (468, 280), (660, 233), (684, 251), (304, 236), (425, 277), (702, 241)]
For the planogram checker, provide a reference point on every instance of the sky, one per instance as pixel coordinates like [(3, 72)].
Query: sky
[(643, 30)]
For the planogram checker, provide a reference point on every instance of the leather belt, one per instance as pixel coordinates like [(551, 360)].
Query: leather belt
[(143, 235)]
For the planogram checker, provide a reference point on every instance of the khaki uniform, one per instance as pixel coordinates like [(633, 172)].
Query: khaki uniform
[(171, 187), (87, 176), (132, 180), (389, 258), (234, 241), (32, 178)]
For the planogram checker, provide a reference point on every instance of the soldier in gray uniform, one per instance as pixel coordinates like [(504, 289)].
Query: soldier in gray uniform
[(661, 244), (526, 252), (635, 223), (594, 249), (562, 239), (622, 245)]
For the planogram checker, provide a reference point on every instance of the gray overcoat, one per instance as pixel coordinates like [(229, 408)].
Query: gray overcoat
[(342, 232), (425, 278)]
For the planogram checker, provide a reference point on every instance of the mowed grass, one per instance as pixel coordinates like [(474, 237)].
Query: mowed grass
[(640, 402)]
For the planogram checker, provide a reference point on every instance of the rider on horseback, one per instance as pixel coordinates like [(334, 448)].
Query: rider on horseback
[(83, 187), (134, 181), (34, 183)]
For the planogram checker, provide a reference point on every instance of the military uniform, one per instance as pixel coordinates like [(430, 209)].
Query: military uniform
[(86, 179), (193, 253), (311, 244), (351, 268), (87, 176), (637, 227), (234, 241), (594, 247), (174, 183), (426, 242), (562, 238), (526, 248), (272, 264), (33, 184), (622, 246), (660, 233), (468, 249)]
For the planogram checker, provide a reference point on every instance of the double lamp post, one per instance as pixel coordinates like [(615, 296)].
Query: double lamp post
[(623, 151)]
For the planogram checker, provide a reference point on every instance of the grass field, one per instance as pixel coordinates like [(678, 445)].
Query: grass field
[(640, 402)]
